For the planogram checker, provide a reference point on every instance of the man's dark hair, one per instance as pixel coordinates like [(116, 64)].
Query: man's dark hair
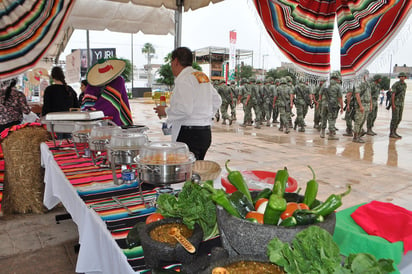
[(84, 82), (184, 56)]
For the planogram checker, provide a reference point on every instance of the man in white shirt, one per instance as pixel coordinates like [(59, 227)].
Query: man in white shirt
[(193, 104)]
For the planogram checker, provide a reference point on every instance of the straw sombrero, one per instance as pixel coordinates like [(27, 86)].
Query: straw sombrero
[(105, 71)]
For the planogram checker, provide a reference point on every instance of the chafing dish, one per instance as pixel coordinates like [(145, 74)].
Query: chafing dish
[(165, 163), (124, 146), (98, 140)]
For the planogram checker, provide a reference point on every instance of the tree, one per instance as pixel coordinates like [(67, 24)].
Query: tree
[(279, 73), (149, 50), (385, 82), (165, 72), (246, 72)]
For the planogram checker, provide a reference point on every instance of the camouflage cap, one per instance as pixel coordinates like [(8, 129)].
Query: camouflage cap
[(282, 81), (335, 75), (258, 82), (288, 79), (232, 82), (222, 81), (277, 81), (269, 79), (243, 81), (402, 74), (252, 80)]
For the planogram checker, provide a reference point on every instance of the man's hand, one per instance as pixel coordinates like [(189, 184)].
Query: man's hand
[(160, 110)]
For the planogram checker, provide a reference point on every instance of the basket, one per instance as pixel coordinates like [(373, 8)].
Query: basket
[(24, 176), (207, 170)]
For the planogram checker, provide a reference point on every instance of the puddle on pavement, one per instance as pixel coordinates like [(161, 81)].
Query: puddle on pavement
[(381, 152)]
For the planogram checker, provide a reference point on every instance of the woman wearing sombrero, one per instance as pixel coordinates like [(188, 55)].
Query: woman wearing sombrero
[(106, 91)]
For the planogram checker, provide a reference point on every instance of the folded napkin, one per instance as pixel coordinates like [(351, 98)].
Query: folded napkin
[(386, 220)]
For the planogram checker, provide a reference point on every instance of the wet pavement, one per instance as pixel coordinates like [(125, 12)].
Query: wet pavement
[(379, 169)]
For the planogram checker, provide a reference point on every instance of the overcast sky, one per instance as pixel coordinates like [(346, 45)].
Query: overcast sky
[(210, 26)]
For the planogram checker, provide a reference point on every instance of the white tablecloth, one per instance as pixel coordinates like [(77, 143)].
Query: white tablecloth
[(99, 252)]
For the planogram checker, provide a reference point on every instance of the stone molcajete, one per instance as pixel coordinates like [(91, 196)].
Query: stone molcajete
[(242, 237), (156, 252)]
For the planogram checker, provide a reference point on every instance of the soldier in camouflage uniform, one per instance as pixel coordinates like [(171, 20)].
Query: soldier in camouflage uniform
[(362, 107), (256, 100), (375, 91), (282, 99), (317, 116), (244, 97), (397, 101), (224, 93), (233, 89), (331, 99), (216, 86), (268, 95), (289, 81), (275, 107), (303, 99), (350, 111)]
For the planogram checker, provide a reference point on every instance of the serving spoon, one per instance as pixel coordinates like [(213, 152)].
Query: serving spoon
[(175, 233)]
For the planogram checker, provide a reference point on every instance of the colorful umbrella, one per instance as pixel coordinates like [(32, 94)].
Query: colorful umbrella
[(27, 29), (303, 30)]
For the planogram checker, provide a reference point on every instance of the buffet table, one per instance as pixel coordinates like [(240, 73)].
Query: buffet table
[(102, 231), (89, 195)]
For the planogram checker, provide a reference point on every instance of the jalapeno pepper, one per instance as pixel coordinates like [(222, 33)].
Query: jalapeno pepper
[(311, 190), (305, 217), (220, 197), (276, 205), (237, 180), (264, 193), (289, 221), (281, 179), (241, 203), (332, 203)]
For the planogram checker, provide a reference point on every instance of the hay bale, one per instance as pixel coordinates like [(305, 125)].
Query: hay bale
[(24, 177)]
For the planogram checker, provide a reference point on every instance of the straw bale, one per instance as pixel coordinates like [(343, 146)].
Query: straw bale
[(24, 176)]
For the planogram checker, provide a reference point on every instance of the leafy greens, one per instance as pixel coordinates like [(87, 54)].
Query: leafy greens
[(314, 251), (193, 205)]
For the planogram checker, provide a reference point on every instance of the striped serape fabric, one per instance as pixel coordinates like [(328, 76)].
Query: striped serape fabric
[(303, 30), (118, 220), (1, 175)]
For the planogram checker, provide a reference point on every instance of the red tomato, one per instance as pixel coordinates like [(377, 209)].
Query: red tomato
[(154, 218), (259, 202), (291, 207), (303, 206), (255, 215)]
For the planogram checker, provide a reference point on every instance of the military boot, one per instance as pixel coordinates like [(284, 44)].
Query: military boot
[(295, 126), (370, 132), (217, 117), (397, 135), (287, 130), (322, 133), (392, 134), (357, 138), (275, 121), (348, 132), (332, 136), (224, 122), (301, 129), (230, 122), (268, 123)]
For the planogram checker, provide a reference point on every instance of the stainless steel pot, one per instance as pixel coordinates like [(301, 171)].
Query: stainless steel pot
[(98, 144), (122, 156), (80, 137), (164, 174)]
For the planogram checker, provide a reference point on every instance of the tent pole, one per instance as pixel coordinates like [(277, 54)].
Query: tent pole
[(132, 62), (178, 23), (89, 58)]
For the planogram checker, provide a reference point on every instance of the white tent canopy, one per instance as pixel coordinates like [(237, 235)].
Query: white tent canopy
[(146, 16)]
